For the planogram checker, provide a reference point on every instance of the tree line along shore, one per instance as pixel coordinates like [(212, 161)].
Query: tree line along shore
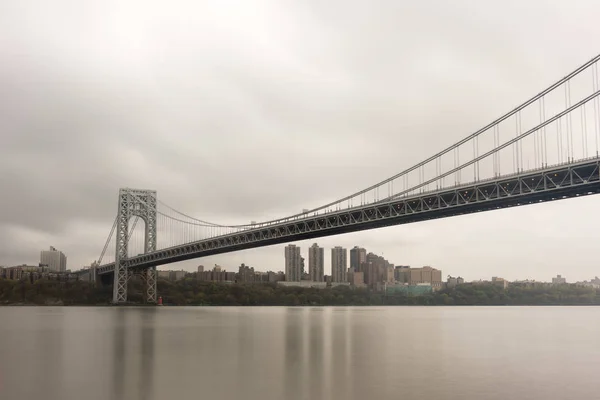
[(190, 292)]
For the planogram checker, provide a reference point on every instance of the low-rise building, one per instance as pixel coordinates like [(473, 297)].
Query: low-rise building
[(162, 274), (246, 274), (218, 274), (304, 284), (453, 282), (35, 272), (593, 283), (417, 276), (559, 280), (273, 277), (500, 282), (408, 290), (177, 275), (356, 279)]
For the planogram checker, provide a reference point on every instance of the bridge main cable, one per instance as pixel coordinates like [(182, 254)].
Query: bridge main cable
[(502, 146), (110, 235), (538, 96), (473, 135)]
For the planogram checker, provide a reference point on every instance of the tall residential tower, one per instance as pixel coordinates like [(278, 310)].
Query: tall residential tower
[(316, 262), (358, 256), (293, 263), (339, 264)]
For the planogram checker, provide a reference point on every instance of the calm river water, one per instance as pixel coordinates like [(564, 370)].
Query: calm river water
[(299, 353)]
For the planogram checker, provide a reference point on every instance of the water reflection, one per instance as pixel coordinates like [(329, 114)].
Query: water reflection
[(299, 353), (147, 362), (48, 346), (133, 333), (119, 354), (295, 355), (317, 353)]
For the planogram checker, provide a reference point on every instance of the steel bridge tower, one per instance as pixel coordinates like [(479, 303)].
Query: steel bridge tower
[(142, 204)]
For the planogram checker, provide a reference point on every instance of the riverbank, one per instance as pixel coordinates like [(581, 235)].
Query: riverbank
[(189, 292)]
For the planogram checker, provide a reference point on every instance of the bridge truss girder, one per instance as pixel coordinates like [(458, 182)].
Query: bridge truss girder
[(530, 187)]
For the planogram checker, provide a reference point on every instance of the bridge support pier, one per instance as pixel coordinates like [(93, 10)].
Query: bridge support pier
[(94, 277), (142, 204), (149, 278)]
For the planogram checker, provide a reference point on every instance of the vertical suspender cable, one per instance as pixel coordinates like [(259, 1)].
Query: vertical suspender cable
[(559, 139), (474, 157), (570, 119), (544, 132), (514, 149), (567, 121), (596, 86), (496, 158), (583, 131), (520, 143), (536, 140)]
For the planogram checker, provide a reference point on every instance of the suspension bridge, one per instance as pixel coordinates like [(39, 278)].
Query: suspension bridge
[(545, 149)]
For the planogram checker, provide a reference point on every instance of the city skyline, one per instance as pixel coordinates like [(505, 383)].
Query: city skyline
[(358, 113), (303, 251)]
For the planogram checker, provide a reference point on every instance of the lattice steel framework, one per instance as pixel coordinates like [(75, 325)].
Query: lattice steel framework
[(547, 184), (142, 204), (416, 200)]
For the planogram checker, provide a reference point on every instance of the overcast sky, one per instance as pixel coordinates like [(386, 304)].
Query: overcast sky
[(247, 110)]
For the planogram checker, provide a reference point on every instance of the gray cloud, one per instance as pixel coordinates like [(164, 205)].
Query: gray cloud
[(236, 112)]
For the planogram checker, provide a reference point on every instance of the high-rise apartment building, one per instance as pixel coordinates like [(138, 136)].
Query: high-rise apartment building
[(358, 256), (293, 263), (316, 262), (54, 259), (339, 264), (379, 272), (371, 274)]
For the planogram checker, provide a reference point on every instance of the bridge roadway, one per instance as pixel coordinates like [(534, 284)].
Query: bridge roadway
[(528, 187)]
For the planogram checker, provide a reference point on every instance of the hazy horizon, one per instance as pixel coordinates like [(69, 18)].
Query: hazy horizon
[(237, 112)]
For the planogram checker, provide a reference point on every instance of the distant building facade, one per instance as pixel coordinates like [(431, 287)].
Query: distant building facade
[(34, 273), (293, 263), (559, 280), (401, 273), (55, 260), (593, 283), (377, 270), (171, 275), (273, 277), (304, 284), (316, 263), (500, 282), (416, 276), (339, 264), (358, 256), (218, 274), (411, 290), (246, 274), (453, 282), (356, 279)]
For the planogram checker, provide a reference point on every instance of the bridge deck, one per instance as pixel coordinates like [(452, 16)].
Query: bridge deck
[(529, 187)]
